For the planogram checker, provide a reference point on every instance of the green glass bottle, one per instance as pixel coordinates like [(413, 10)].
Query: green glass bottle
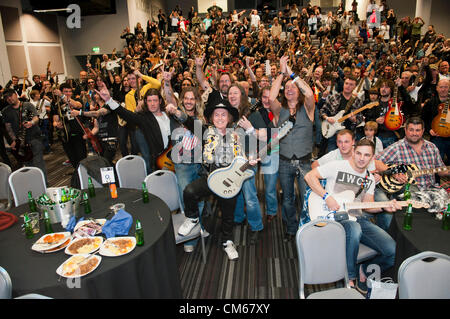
[(31, 202), (145, 198), (64, 197), (407, 193), (446, 219), (86, 204), (91, 188), (139, 234), (47, 224), (407, 221), (28, 228)]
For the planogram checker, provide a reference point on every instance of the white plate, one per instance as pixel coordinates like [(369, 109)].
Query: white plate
[(41, 246), (97, 246), (105, 251), (100, 221), (80, 257)]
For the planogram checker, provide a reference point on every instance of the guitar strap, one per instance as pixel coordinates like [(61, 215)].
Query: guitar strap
[(20, 115), (363, 184)]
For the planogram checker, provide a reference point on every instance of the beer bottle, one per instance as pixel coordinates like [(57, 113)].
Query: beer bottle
[(446, 219), (407, 193), (28, 228), (113, 190), (47, 224), (139, 234), (31, 202), (91, 188), (86, 204), (407, 221), (144, 193)]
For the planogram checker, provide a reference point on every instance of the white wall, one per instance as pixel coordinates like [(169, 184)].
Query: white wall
[(96, 31), (139, 11)]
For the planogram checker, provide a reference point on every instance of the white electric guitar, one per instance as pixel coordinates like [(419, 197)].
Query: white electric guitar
[(328, 129), (227, 182), (318, 208)]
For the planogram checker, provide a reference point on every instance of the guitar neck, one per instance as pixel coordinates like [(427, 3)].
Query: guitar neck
[(368, 205), (367, 106), (429, 171)]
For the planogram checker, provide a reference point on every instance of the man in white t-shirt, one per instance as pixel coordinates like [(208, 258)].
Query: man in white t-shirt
[(254, 19), (345, 140), (353, 174)]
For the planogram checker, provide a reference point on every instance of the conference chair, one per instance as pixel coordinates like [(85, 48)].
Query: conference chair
[(131, 171), (5, 192), (425, 276), (321, 255), (24, 180), (164, 184)]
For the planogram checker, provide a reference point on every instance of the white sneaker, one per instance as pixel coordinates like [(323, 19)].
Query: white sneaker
[(187, 226), (188, 248), (231, 251)]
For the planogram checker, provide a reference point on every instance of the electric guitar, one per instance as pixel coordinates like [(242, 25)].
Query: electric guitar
[(328, 129), (23, 151), (441, 122), (227, 182), (414, 93), (390, 185), (393, 119), (163, 161), (96, 145), (318, 208)]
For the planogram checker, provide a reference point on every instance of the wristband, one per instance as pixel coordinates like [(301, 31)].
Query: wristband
[(325, 196), (292, 75), (250, 130), (81, 112), (296, 79)]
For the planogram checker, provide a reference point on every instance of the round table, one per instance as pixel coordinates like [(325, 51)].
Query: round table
[(149, 271), (426, 235)]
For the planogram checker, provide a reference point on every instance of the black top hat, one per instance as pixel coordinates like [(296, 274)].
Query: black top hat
[(221, 104)]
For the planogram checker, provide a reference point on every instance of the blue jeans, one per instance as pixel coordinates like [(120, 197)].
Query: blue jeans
[(44, 126), (364, 231), (288, 173), (443, 144), (269, 167), (331, 144), (318, 125), (186, 174), (249, 195), (387, 140), (143, 147)]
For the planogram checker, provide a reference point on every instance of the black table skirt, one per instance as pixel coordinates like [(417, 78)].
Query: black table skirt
[(149, 271), (426, 235)]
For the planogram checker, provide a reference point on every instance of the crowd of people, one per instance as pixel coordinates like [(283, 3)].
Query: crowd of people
[(213, 87)]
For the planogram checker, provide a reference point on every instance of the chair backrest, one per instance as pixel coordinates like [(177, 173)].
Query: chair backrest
[(5, 284), (425, 276), (83, 176), (5, 192), (164, 184), (131, 171), (26, 179), (321, 253)]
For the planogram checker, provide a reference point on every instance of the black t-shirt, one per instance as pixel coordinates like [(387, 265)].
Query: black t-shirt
[(15, 116), (107, 125)]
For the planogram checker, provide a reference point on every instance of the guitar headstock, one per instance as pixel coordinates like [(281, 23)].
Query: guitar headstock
[(372, 104), (284, 129), (417, 204)]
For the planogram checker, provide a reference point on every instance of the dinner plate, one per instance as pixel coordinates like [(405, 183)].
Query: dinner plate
[(76, 264), (46, 243), (110, 249), (95, 245), (100, 221)]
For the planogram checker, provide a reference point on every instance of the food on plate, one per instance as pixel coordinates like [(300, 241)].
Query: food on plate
[(59, 247), (84, 245), (52, 239), (79, 265), (119, 246)]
